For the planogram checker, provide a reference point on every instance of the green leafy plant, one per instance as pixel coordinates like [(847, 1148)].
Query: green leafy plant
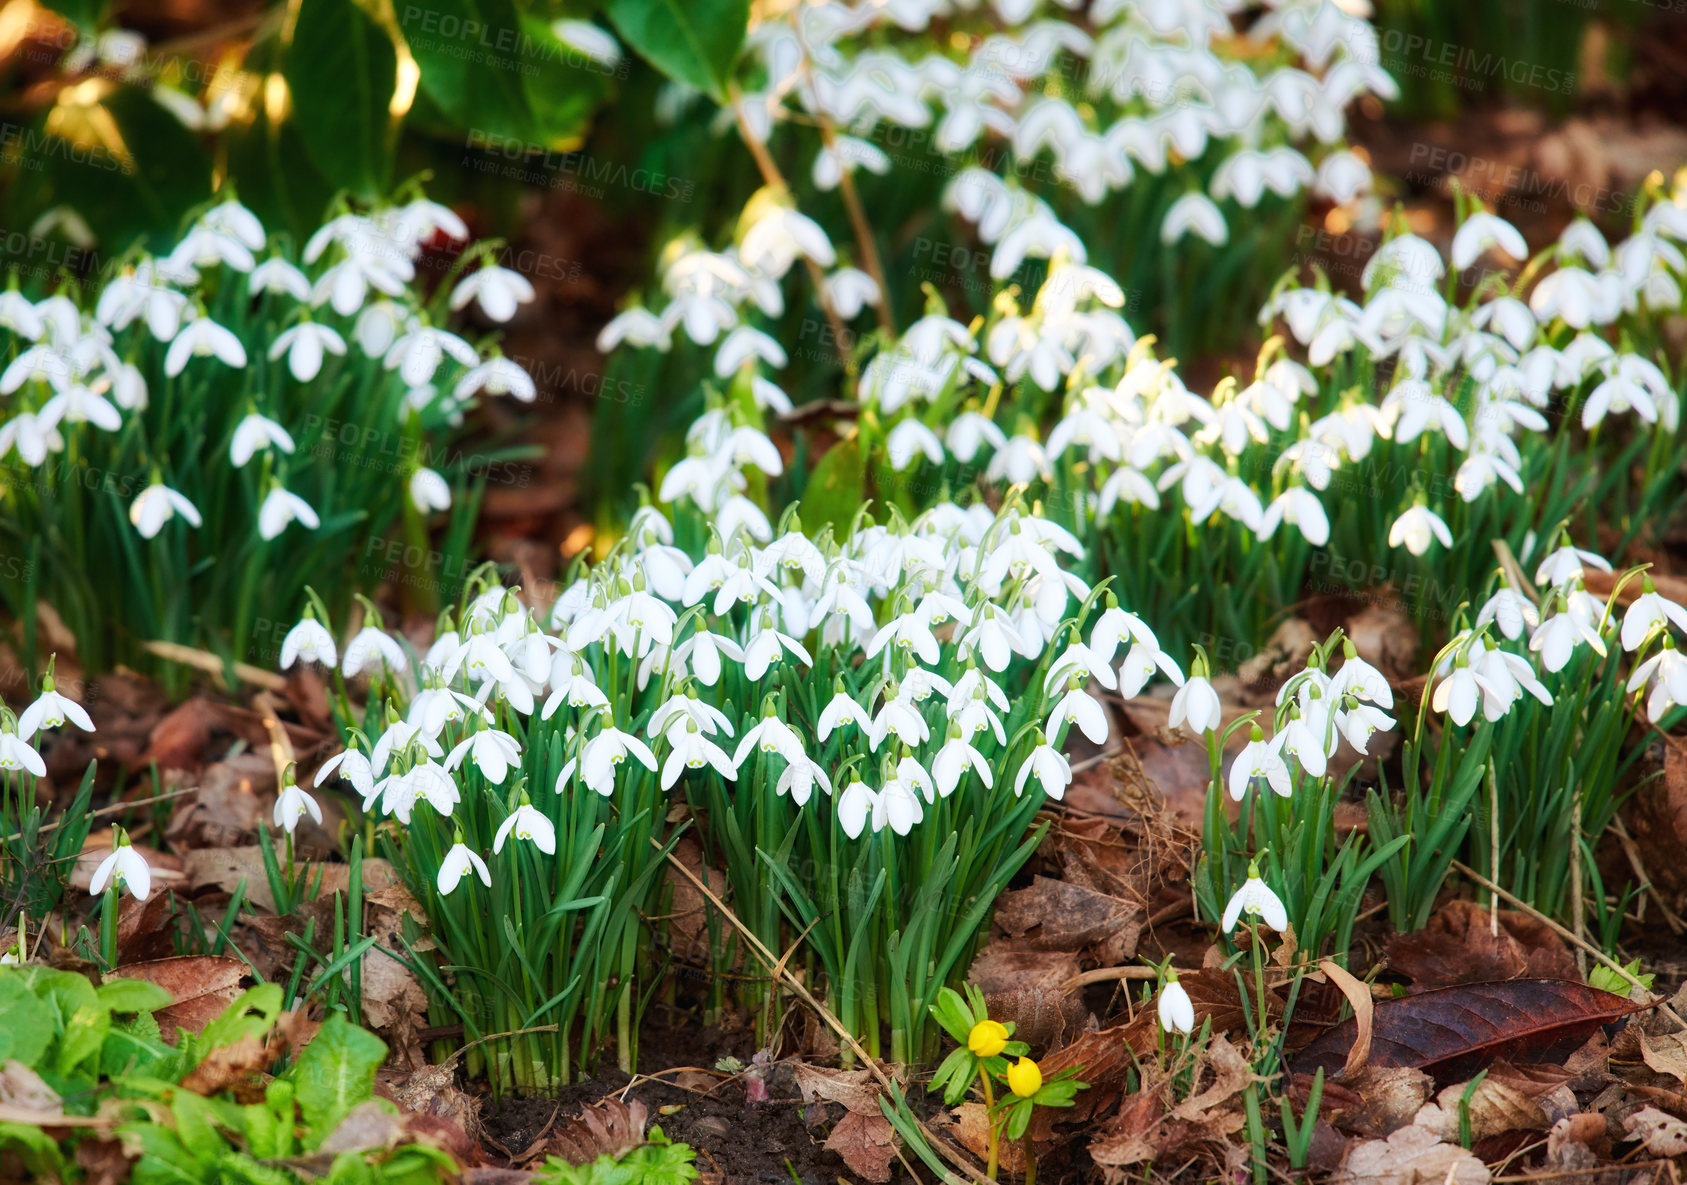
[(657, 1161)]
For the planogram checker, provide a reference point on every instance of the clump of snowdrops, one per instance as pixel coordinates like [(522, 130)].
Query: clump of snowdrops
[(189, 439)]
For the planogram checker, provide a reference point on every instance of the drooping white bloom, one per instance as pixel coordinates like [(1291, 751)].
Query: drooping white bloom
[(497, 290), (203, 338), (255, 432), (1255, 900), (1650, 611), (279, 508), (429, 491), (51, 710), (125, 868), (1666, 671), (458, 863), (372, 647), (1258, 759), (527, 823), (293, 804), (17, 753), (304, 344), (1175, 1010), (1052, 771), (493, 751), (1416, 528), (157, 505), (1196, 705)]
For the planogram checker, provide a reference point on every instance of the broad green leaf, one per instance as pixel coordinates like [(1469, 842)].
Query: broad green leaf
[(833, 494), (136, 1046), (128, 166), (473, 54), (27, 1023), (341, 71), (335, 1073), (133, 995), (692, 41), (251, 1015), (36, 1151), (84, 14)]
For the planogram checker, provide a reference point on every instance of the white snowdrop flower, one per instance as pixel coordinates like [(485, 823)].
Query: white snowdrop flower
[(157, 505), (1303, 739), (856, 807), (799, 779), (17, 753), (592, 40), (51, 710), (278, 276), (693, 750), (429, 491), (78, 404), (230, 218), (1051, 770), (1255, 900), (255, 432), (910, 439), (1462, 691), (1342, 176), (125, 868), (840, 710), (780, 236), (743, 345), (458, 863), (1510, 610), (1666, 671), (370, 648), (309, 641), (846, 154), (377, 327), (418, 352), (201, 338), (1259, 759), (496, 376), (527, 823), (293, 804), (1416, 528), (897, 806), (1194, 213), (1651, 611), (32, 437), (355, 768), (1301, 508), (1079, 707), (1582, 240), (849, 290), (1174, 1009), (497, 290), (635, 326), (1565, 564), (280, 508), (1196, 704), (493, 751), (1557, 637), (1483, 231), (304, 344)]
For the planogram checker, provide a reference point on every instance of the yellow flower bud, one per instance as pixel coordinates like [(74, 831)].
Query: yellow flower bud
[(988, 1038), (1024, 1078)]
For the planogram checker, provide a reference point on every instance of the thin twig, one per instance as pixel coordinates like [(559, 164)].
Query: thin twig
[(1105, 974), (1564, 932), (820, 1010), (117, 808)]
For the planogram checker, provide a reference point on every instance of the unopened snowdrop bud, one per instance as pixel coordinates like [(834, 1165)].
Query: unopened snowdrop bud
[(1177, 1013), (309, 641), (125, 868), (1196, 704), (458, 863), (1255, 900), (292, 803)]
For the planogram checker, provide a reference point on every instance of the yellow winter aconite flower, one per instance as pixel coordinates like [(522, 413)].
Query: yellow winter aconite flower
[(1024, 1078), (988, 1038)]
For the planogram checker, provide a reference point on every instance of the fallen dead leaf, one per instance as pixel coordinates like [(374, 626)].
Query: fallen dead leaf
[(1661, 1134), (1496, 1106), (1027, 987), (867, 1144), (1061, 916), (1377, 1101), (225, 868), (202, 987), (1359, 999), (855, 1090), (1576, 1142), (21, 1086), (1411, 1156), (1666, 1054), (609, 1128), (1459, 946)]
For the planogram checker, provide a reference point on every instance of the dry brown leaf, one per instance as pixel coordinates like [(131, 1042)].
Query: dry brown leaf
[(867, 1144), (1232, 1074), (1027, 987), (1059, 915), (367, 1127), (970, 1124), (1666, 1054), (610, 1128), (1411, 1156), (225, 808), (225, 868), (688, 917), (243, 1063), (1459, 946), (1576, 1142), (855, 1090), (1376, 1101), (1661, 1134), (202, 987), (180, 739), (103, 1162), (21, 1086), (1359, 999), (1496, 1106)]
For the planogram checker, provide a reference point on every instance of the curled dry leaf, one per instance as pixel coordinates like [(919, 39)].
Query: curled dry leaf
[(864, 1138), (610, 1128), (1660, 1133), (1576, 1142), (1411, 1156), (1459, 945), (1062, 916), (1497, 1105), (1375, 1101), (1359, 999), (1027, 987)]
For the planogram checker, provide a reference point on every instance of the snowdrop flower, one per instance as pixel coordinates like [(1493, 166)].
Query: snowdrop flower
[(78, 404), (1194, 213), (51, 710), (1556, 638), (1255, 900), (842, 709), (1359, 678), (1359, 722), (280, 508), (372, 647), (849, 290), (256, 432), (1196, 705), (429, 491), (278, 276), (496, 376), (32, 437), (1482, 231), (1301, 508), (1417, 528), (1465, 688), (1176, 1011), (354, 767), (1303, 739), (856, 806), (1259, 758), (693, 750), (1566, 564), (125, 868), (426, 781), (771, 735), (293, 804), (17, 753), (1650, 612), (157, 505), (954, 759), (458, 863), (799, 779), (1078, 707), (201, 338), (304, 344), (497, 290), (493, 751), (1666, 671), (602, 756), (1510, 610), (1052, 771), (308, 641), (528, 824)]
